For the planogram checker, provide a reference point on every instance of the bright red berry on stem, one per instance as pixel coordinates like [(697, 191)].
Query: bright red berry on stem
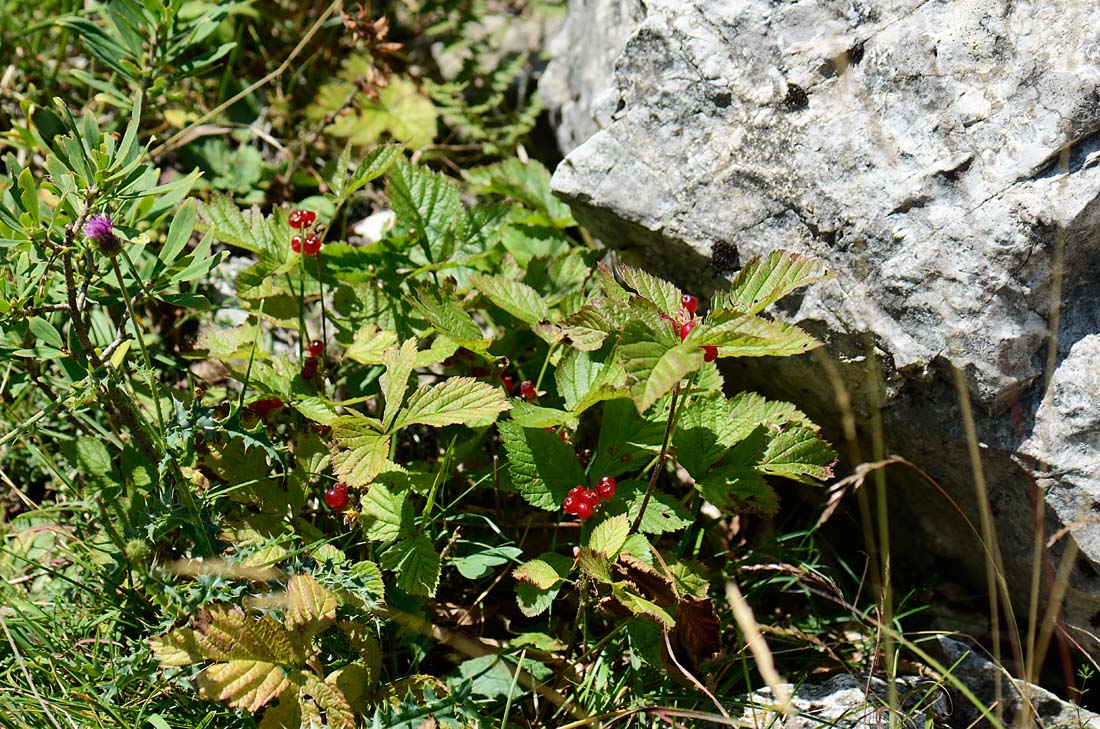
[(685, 329), (295, 219), (296, 244), (690, 303), (508, 382), (592, 496), (337, 496), (584, 509), (606, 487), (308, 217), (576, 491), (309, 368), (312, 245), (316, 347), (710, 353), (569, 506), (527, 390)]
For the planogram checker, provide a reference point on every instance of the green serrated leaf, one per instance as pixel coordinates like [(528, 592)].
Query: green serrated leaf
[(543, 468), (386, 512), (361, 452), (738, 489), (515, 297), (455, 400), (439, 306), (527, 182), (427, 202), (609, 536), (660, 292), (752, 336), (763, 281), (669, 370), (250, 230), (370, 343), (798, 453), (399, 367), (535, 416), (416, 562)]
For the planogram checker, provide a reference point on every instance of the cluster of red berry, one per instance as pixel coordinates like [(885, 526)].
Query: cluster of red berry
[(337, 496), (690, 305), (304, 220), (582, 502), (313, 361)]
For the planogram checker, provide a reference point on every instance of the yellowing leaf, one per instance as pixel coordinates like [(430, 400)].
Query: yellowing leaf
[(369, 345), (244, 684), (308, 605)]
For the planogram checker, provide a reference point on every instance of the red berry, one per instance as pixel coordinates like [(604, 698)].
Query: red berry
[(685, 329), (606, 487), (312, 245), (710, 353), (309, 368), (576, 491), (527, 390), (263, 408), (592, 496), (690, 303), (296, 244), (337, 496), (316, 347), (584, 509), (569, 506), (508, 382), (295, 219), (308, 217)]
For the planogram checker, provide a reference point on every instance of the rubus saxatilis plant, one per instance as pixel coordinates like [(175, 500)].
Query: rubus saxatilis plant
[(482, 369)]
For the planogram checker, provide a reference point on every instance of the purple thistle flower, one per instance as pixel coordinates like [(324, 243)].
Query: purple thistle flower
[(101, 229)]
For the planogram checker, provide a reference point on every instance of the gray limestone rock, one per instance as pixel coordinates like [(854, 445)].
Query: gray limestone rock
[(863, 702), (942, 158)]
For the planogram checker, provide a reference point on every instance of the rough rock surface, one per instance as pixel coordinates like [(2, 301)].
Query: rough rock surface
[(942, 157), (862, 702), (580, 93)]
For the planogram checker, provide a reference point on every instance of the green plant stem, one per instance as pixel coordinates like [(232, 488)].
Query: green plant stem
[(669, 426), (545, 363), (324, 315), (141, 345)]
